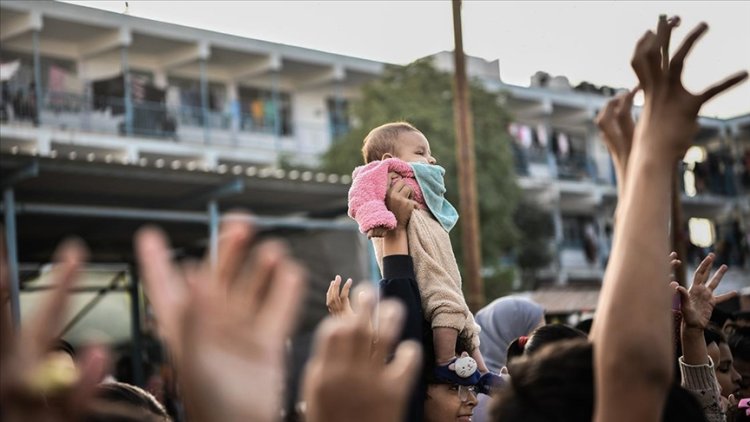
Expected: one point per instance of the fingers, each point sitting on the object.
(402, 189)
(722, 86)
(640, 61)
(362, 334)
(605, 114)
(234, 237)
(344, 296)
(725, 296)
(259, 272)
(663, 33)
(403, 369)
(678, 61)
(278, 312)
(684, 294)
(701, 273)
(716, 279)
(154, 260)
(92, 367)
(69, 258)
(390, 323)
(332, 295)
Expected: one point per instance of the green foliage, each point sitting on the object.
(537, 227)
(423, 96)
(533, 251)
(499, 283)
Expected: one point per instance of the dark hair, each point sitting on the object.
(550, 333)
(739, 343)
(557, 384)
(515, 349)
(63, 346)
(99, 411)
(713, 335)
(132, 396)
(585, 325)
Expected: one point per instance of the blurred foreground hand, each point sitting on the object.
(225, 323)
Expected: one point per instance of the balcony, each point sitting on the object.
(81, 119)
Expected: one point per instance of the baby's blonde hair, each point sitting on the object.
(382, 140)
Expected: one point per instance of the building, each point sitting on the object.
(175, 123)
(563, 165)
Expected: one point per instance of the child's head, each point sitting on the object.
(397, 140)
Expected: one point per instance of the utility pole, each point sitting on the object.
(465, 161)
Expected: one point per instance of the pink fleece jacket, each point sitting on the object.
(367, 193)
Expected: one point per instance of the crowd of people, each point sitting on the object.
(654, 351)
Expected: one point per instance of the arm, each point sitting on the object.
(631, 380)
(398, 270)
(345, 381)
(696, 368)
(616, 124)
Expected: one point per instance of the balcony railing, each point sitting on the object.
(179, 123)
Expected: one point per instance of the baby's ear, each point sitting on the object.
(386, 155)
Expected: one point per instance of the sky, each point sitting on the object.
(584, 41)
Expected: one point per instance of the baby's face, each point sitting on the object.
(413, 147)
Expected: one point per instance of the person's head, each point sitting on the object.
(445, 402)
(718, 350)
(131, 397)
(739, 344)
(397, 140)
(503, 321)
(550, 333)
(449, 403)
(557, 383)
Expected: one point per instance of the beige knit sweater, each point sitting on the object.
(437, 275)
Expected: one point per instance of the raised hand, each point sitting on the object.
(615, 121)
(670, 111)
(347, 378)
(399, 202)
(31, 386)
(227, 323)
(337, 298)
(699, 301)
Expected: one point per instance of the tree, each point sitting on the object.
(421, 95)
(533, 249)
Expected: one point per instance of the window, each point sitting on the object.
(702, 232)
(338, 116)
(260, 107)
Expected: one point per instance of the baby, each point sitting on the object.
(402, 149)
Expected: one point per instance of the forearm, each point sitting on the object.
(634, 305)
(620, 165)
(694, 351)
(395, 242)
(632, 297)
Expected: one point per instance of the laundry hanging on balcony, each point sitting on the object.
(8, 70)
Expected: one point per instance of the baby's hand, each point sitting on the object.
(376, 232)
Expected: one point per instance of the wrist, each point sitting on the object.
(692, 329)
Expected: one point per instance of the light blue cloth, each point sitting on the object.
(430, 178)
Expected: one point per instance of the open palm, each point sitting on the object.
(699, 301)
